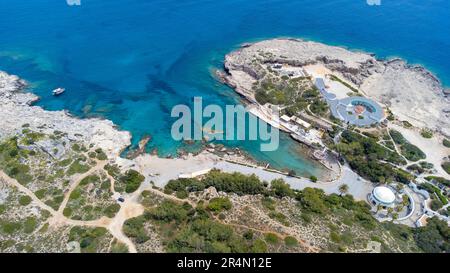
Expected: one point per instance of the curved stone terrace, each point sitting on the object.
(355, 110)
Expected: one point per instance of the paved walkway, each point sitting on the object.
(358, 187)
(160, 171)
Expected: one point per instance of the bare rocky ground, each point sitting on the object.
(16, 110)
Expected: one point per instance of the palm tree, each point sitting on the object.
(343, 189)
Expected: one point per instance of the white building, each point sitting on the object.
(382, 196)
(285, 118)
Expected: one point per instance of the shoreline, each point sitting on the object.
(376, 56)
(383, 80)
(18, 98)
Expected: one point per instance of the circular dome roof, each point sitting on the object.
(384, 194)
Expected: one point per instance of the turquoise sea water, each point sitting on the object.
(132, 60)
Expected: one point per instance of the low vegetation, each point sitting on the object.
(334, 78)
(371, 160)
(446, 143)
(426, 133)
(129, 182)
(408, 150)
(185, 229)
(446, 167)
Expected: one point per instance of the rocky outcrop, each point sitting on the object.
(413, 93)
(16, 111)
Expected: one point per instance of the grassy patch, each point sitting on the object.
(24, 200)
(77, 167)
(446, 167)
(131, 181)
(219, 203)
(426, 133)
(290, 241)
(271, 238)
(30, 225)
(446, 143)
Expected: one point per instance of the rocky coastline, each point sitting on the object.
(17, 110)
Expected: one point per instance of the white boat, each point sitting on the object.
(58, 91)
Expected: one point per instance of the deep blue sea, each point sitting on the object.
(132, 60)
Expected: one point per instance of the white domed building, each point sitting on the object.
(382, 196)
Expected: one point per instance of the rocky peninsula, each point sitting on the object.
(411, 92)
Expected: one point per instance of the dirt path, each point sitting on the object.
(27, 191)
(433, 148)
(76, 181)
(302, 242)
(128, 210)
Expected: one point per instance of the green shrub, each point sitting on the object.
(75, 194)
(65, 162)
(77, 167)
(10, 227)
(434, 190)
(105, 185)
(91, 179)
(271, 238)
(100, 154)
(411, 152)
(367, 157)
(219, 203)
(30, 225)
(132, 180)
(67, 212)
(436, 205)
(24, 200)
(182, 194)
(113, 170)
(290, 241)
(280, 217)
(335, 237)
(446, 167)
(446, 143)
(426, 165)
(111, 210)
(306, 218)
(426, 133)
(89, 238)
(168, 211)
(281, 189)
(313, 178)
(235, 182)
(397, 137)
(312, 200)
(118, 247)
(438, 179)
(433, 238)
(268, 203)
(259, 246)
